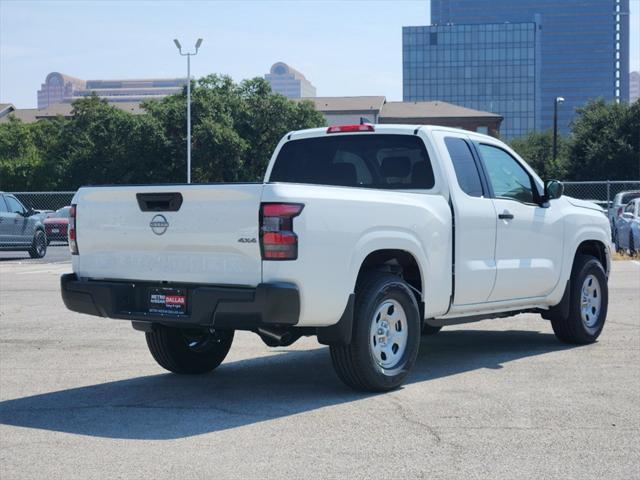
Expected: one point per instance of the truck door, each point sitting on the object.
(6, 224)
(19, 220)
(475, 221)
(529, 240)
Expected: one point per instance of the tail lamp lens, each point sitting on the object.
(72, 234)
(277, 238)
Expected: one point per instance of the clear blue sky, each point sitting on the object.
(342, 47)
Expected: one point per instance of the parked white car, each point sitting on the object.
(628, 227)
(362, 235)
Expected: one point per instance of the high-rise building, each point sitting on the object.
(634, 86)
(490, 67)
(289, 82)
(582, 50)
(59, 88)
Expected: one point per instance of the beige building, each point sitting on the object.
(336, 111)
(30, 115)
(372, 109)
(349, 110)
(59, 88)
(441, 113)
(289, 82)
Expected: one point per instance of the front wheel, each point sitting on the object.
(589, 299)
(632, 245)
(386, 336)
(38, 245)
(189, 351)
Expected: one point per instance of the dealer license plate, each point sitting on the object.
(171, 301)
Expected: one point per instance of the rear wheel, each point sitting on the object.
(189, 351)
(386, 336)
(632, 245)
(38, 245)
(588, 302)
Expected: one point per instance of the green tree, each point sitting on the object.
(21, 160)
(102, 144)
(605, 142)
(18, 155)
(537, 149)
(235, 127)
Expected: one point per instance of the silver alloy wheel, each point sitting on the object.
(388, 334)
(590, 301)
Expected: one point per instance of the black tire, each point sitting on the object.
(355, 363)
(189, 351)
(429, 330)
(574, 328)
(632, 245)
(38, 245)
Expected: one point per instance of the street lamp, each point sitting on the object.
(556, 102)
(188, 55)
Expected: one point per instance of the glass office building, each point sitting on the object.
(490, 67)
(584, 46)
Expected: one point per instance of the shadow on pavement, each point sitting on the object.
(245, 392)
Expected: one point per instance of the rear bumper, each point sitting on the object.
(269, 304)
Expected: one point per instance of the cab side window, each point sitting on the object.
(508, 178)
(3, 205)
(465, 166)
(14, 205)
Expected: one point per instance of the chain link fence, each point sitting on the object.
(45, 201)
(600, 192)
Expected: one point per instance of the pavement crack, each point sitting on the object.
(405, 414)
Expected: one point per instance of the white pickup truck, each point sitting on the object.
(366, 236)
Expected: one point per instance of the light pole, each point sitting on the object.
(188, 55)
(556, 102)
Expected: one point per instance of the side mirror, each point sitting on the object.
(553, 189)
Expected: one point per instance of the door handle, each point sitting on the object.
(505, 216)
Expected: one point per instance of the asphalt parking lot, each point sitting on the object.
(81, 397)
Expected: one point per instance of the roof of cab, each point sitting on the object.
(382, 128)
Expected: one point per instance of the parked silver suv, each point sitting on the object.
(616, 209)
(21, 228)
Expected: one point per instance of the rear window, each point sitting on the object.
(364, 160)
(63, 212)
(627, 197)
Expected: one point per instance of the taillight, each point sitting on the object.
(619, 213)
(73, 239)
(277, 239)
(363, 127)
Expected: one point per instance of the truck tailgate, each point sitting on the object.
(129, 233)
